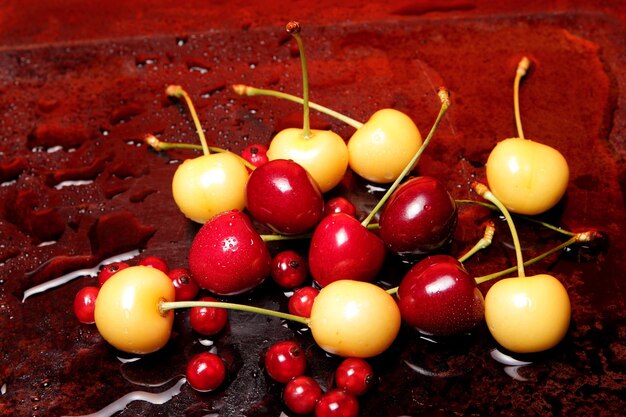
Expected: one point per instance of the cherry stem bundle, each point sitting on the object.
(293, 28)
(522, 68)
(177, 91)
(445, 103)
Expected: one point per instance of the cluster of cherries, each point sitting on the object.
(283, 187)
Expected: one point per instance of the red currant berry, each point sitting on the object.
(285, 360)
(339, 205)
(301, 394)
(155, 262)
(186, 287)
(289, 269)
(208, 320)
(354, 375)
(255, 154)
(108, 270)
(205, 372)
(301, 302)
(337, 403)
(85, 304)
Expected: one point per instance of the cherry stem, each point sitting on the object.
(526, 218)
(576, 238)
(165, 306)
(275, 238)
(246, 90)
(178, 92)
(483, 191)
(444, 96)
(522, 68)
(293, 28)
(483, 243)
(159, 145)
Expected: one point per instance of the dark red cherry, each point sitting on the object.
(341, 248)
(337, 403)
(301, 302)
(228, 256)
(108, 270)
(284, 196)
(285, 360)
(205, 372)
(419, 218)
(339, 205)
(256, 154)
(85, 304)
(301, 394)
(208, 321)
(354, 375)
(439, 298)
(155, 262)
(186, 287)
(289, 269)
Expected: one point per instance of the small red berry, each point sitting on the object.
(301, 302)
(255, 154)
(339, 205)
(205, 372)
(289, 269)
(301, 394)
(354, 375)
(285, 360)
(186, 287)
(208, 320)
(108, 270)
(85, 304)
(155, 262)
(337, 403)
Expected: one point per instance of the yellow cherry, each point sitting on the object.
(210, 184)
(528, 177)
(381, 148)
(354, 319)
(127, 311)
(529, 314)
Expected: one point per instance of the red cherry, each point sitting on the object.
(228, 256)
(108, 270)
(285, 360)
(256, 154)
(205, 372)
(354, 375)
(289, 269)
(301, 394)
(208, 320)
(301, 302)
(155, 262)
(438, 297)
(339, 205)
(337, 403)
(341, 248)
(186, 287)
(284, 196)
(85, 304)
(419, 218)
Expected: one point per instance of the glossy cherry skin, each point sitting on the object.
(85, 304)
(186, 287)
(208, 321)
(155, 262)
(439, 298)
(282, 195)
(341, 248)
(108, 270)
(205, 372)
(301, 394)
(337, 403)
(256, 154)
(285, 360)
(289, 269)
(339, 205)
(228, 256)
(354, 375)
(301, 302)
(419, 218)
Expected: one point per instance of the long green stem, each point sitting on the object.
(445, 103)
(246, 90)
(171, 305)
(293, 28)
(522, 67)
(178, 91)
(483, 243)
